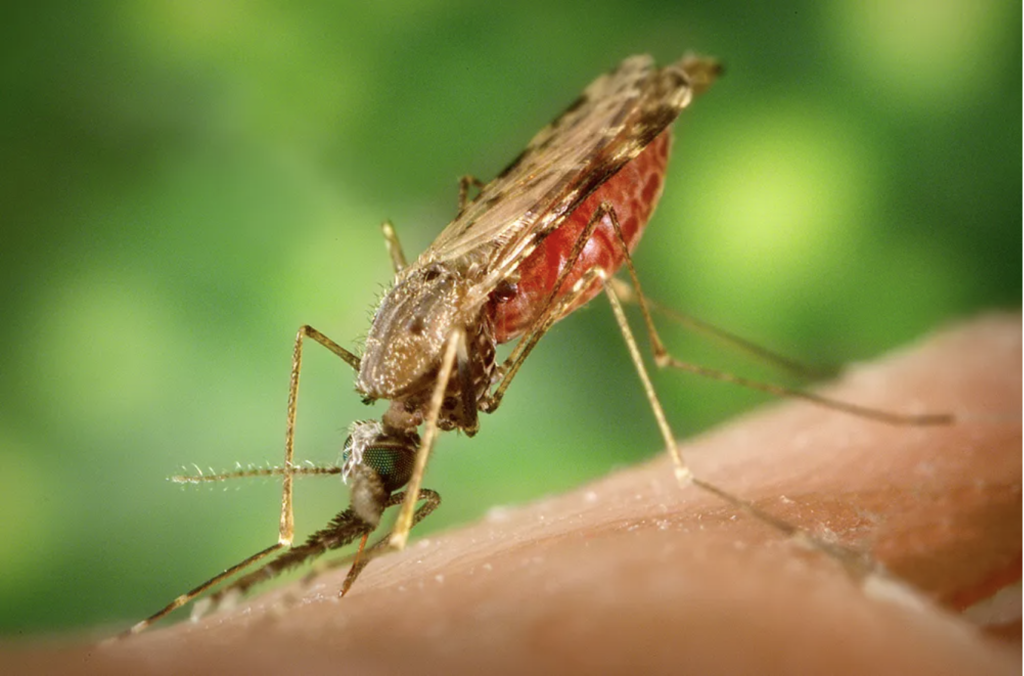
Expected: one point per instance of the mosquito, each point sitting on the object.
(533, 245)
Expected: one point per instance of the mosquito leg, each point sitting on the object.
(663, 359)
(188, 596)
(398, 262)
(403, 524)
(627, 294)
(857, 563)
(307, 331)
(286, 530)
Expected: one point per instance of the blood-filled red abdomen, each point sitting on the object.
(633, 192)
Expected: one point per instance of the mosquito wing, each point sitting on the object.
(606, 127)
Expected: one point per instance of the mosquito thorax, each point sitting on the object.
(407, 337)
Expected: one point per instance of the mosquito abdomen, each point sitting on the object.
(632, 192)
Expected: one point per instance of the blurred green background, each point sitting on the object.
(185, 183)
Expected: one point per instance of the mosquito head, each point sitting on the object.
(375, 462)
(390, 454)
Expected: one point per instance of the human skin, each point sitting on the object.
(635, 574)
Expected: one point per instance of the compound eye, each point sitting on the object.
(390, 456)
(394, 466)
